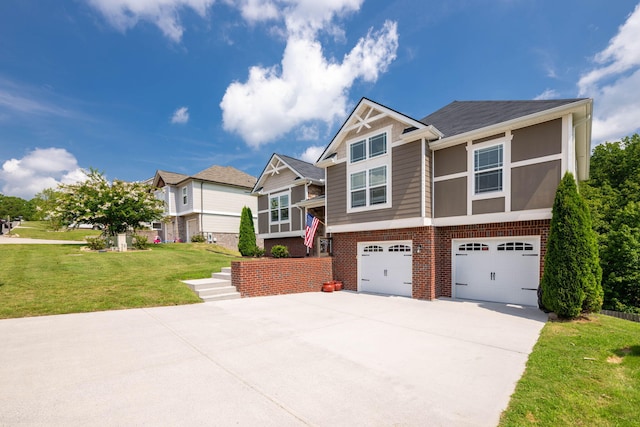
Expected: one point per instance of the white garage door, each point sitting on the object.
(502, 270)
(385, 267)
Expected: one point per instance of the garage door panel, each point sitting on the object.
(385, 268)
(499, 270)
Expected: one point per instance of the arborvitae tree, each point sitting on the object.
(247, 235)
(571, 282)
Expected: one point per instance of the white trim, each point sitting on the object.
(423, 178)
(451, 176)
(295, 233)
(514, 216)
(279, 195)
(360, 245)
(536, 160)
(380, 225)
(505, 141)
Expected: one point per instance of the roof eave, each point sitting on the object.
(466, 136)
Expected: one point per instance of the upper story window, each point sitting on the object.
(185, 197)
(368, 173)
(368, 148)
(279, 208)
(488, 169)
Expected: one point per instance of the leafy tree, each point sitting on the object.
(247, 236)
(11, 206)
(613, 195)
(43, 203)
(118, 206)
(571, 282)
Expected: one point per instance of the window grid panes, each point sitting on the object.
(358, 151)
(369, 188)
(487, 164)
(378, 145)
(279, 207)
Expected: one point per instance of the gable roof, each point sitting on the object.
(170, 177)
(460, 117)
(303, 170)
(226, 175)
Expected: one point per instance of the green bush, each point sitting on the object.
(259, 252)
(280, 251)
(96, 243)
(140, 242)
(571, 282)
(198, 238)
(247, 234)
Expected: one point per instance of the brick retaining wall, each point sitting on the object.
(271, 276)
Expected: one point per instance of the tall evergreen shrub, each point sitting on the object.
(571, 282)
(247, 234)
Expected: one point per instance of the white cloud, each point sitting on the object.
(307, 133)
(306, 86)
(40, 169)
(311, 154)
(181, 115)
(547, 94)
(614, 83)
(125, 14)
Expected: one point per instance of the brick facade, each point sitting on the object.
(431, 251)
(296, 246)
(270, 276)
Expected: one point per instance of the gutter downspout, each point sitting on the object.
(201, 208)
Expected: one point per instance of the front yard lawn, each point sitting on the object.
(40, 230)
(37, 280)
(580, 373)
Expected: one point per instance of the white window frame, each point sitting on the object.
(505, 168)
(279, 197)
(185, 196)
(366, 165)
(493, 168)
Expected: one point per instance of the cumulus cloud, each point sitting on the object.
(306, 86)
(312, 153)
(614, 83)
(39, 169)
(181, 115)
(125, 14)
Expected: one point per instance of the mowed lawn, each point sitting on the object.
(38, 280)
(581, 373)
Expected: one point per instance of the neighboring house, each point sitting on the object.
(456, 204)
(208, 203)
(287, 190)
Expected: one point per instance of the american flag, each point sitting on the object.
(310, 231)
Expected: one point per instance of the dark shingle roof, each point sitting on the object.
(464, 116)
(307, 170)
(226, 175)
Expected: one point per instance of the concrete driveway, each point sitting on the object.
(339, 359)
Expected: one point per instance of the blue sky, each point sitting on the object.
(131, 86)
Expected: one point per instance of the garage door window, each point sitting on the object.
(400, 248)
(373, 248)
(515, 246)
(467, 247)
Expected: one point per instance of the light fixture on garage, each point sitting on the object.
(419, 248)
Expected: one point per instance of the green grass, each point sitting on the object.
(39, 230)
(38, 280)
(580, 373)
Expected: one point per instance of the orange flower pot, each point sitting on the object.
(328, 287)
(337, 285)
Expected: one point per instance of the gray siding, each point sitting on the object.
(534, 186)
(539, 140)
(427, 183)
(263, 223)
(279, 180)
(263, 203)
(488, 138)
(450, 197)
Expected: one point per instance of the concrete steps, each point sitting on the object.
(217, 288)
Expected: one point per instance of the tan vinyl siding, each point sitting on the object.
(486, 206)
(450, 160)
(539, 140)
(488, 138)
(297, 194)
(405, 188)
(450, 197)
(376, 126)
(427, 183)
(534, 186)
(263, 223)
(279, 181)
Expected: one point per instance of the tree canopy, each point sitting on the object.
(613, 195)
(118, 206)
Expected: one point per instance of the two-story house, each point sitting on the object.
(287, 190)
(455, 204)
(208, 203)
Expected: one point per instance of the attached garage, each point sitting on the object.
(385, 267)
(503, 270)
